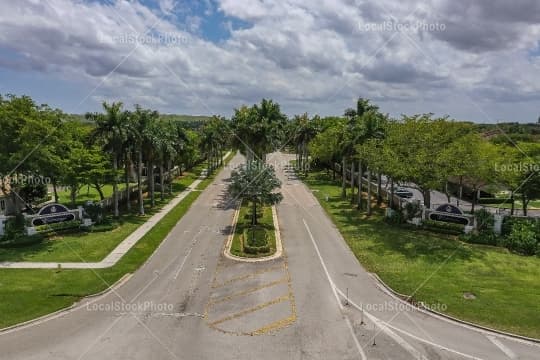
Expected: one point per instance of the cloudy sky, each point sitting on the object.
(475, 60)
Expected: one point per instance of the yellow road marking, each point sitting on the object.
(248, 291)
(275, 325)
(250, 310)
(247, 276)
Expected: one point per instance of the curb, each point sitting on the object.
(277, 232)
(420, 306)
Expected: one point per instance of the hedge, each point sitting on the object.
(255, 240)
(493, 201)
(443, 227)
(43, 229)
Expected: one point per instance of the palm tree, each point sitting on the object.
(151, 139)
(166, 151)
(304, 131)
(142, 120)
(260, 127)
(110, 133)
(181, 142)
(356, 133)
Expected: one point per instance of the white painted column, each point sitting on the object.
(3, 220)
(497, 225)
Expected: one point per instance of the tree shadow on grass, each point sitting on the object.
(390, 239)
(23, 253)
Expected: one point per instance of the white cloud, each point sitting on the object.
(311, 56)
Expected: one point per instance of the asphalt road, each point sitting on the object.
(190, 302)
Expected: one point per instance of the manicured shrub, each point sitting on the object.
(95, 211)
(104, 227)
(482, 238)
(523, 238)
(396, 218)
(14, 227)
(48, 228)
(255, 240)
(484, 221)
(412, 210)
(443, 227)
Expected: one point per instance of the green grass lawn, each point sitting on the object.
(507, 286)
(93, 247)
(29, 293)
(87, 193)
(518, 205)
(244, 221)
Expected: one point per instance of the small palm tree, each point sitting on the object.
(255, 182)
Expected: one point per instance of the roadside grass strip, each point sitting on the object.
(506, 286)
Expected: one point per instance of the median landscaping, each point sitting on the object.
(254, 241)
(482, 284)
(29, 293)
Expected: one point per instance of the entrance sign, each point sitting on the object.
(449, 208)
(449, 213)
(53, 213)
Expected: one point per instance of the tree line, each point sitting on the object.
(44, 143)
(429, 152)
(425, 151)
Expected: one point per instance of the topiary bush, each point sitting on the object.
(484, 221)
(523, 239)
(95, 211)
(255, 240)
(412, 210)
(396, 218)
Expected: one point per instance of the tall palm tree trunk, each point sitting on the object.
(352, 182)
(151, 183)
(379, 188)
(139, 183)
(126, 174)
(55, 190)
(115, 185)
(360, 173)
(161, 181)
(171, 178)
(343, 179)
(369, 191)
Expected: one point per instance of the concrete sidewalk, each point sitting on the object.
(122, 248)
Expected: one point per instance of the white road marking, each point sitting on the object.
(502, 347)
(358, 347)
(398, 339)
(384, 326)
(410, 334)
(194, 241)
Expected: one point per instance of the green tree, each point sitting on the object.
(302, 131)
(257, 130)
(255, 182)
(110, 133)
(416, 143)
